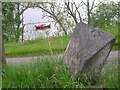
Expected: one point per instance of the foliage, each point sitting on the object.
(8, 20)
(105, 15)
(66, 15)
(70, 11)
(11, 20)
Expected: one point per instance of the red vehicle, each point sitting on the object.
(42, 26)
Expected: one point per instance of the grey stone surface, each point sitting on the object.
(87, 50)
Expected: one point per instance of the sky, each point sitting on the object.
(33, 16)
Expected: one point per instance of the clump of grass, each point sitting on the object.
(109, 75)
(45, 73)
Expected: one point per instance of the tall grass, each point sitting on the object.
(109, 75)
(51, 73)
(45, 73)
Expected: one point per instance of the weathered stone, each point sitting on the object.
(87, 50)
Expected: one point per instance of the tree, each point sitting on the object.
(66, 14)
(19, 10)
(8, 20)
(11, 17)
(105, 15)
(72, 9)
(54, 11)
(90, 8)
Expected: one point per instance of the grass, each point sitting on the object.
(109, 75)
(46, 73)
(54, 45)
(113, 30)
(36, 47)
(51, 73)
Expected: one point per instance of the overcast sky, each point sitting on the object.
(35, 15)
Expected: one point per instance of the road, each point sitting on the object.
(113, 56)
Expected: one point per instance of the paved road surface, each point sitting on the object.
(113, 56)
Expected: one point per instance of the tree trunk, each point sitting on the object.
(22, 28)
(88, 12)
(75, 18)
(18, 22)
(61, 26)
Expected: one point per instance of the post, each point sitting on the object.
(118, 41)
(2, 56)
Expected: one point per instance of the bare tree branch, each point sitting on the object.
(25, 7)
(78, 11)
(37, 5)
(92, 5)
(52, 13)
(70, 12)
(97, 5)
(84, 3)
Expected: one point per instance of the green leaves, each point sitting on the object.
(105, 15)
(11, 20)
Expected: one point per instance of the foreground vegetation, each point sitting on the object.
(51, 73)
(53, 45)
